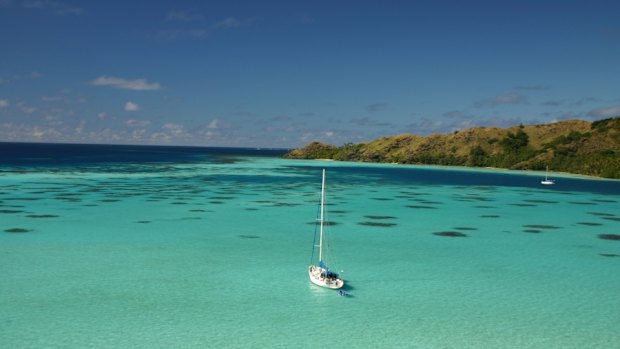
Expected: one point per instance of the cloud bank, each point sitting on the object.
(124, 84)
(508, 98)
(131, 106)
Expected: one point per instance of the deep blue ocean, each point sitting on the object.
(115, 246)
(48, 155)
(45, 154)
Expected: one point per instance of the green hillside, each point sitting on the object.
(588, 148)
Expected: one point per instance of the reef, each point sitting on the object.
(377, 224)
(454, 234)
(17, 230)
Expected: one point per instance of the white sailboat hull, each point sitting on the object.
(317, 277)
(547, 181)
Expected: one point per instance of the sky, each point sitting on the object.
(281, 74)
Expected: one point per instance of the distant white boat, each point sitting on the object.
(320, 274)
(547, 181)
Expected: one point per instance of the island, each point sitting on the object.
(574, 146)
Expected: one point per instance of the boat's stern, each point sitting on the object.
(317, 276)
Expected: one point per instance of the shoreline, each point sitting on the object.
(557, 174)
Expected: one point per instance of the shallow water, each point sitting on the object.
(212, 251)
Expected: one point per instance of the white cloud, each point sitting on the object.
(227, 23)
(4, 103)
(183, 16)
(214, 124)
(376, 107)
(124, 84)
(52, 98)
(160, 137)
(80, 127)
(608, 112)
(508, 98)
(131, 106)
(137, 123)
(454, 114)
(18, 77)
(37, 133)
(56, 7)
(175, 129)
(28, 110)
(172, 34)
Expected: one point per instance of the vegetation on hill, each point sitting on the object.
(568, 146)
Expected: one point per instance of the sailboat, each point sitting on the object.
(547, 181)
(320, 274)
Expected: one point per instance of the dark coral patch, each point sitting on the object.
(17, 230)
(590, 224)
(242, 236)
(379, 217)
(602, 214)
(473, 198)
(382, 199)
(42, 216)
(191, 218)
(541, 226)
(582, 203)
(70, 199)
(143, 222)
(377, 224)
(216, 202)
(464, 228)
(325, 223)
(454, 234)
(10, 211)
(614, 237)
(616, 219)
(421, 206)
(541, 201)
(484, 206)
(609, 255)
(604, 200)
(22, 199)
(489, 216)
(523, 205)
(531, 231)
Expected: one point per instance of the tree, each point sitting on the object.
(514, 142)
(477, 156)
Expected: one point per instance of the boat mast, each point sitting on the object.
(321, 229)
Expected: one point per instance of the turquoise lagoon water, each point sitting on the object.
(212, 252)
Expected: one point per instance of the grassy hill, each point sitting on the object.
(589, 148)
